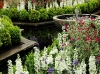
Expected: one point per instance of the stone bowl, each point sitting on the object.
(66, 18)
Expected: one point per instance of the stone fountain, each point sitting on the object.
(67, 18)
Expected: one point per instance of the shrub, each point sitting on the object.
(51, 13)
(59, 11)
(6, 23)
(9, 34)
(34, 16)
(5, 37)
(13, 13)
(15, 34)
(68, 10)
(43, 14)
(4, 12)
(7, 18)
(23, 15)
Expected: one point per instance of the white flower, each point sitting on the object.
(26, 72)
(43, 62)
(54, 50)
(44, 51)
(10, 67)
(49, 59)
(60, 63)
(19, 66)
(92, 65)
(37, 59)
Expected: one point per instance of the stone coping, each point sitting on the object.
(19, 23)
(26, 44)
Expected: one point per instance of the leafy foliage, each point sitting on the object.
(23, 15)
(15, 34)
(30, 62)
(34, 16)
(51, 13)
(9, 34)
(43, 14)
(13, 13)
(5, 37)
(4, 12)
(59, 11)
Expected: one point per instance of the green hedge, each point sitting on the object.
(23, 15)
(9, 34)
(15, 34)
(5, 37)
(13, 14)
(43, 15)
(34, 16)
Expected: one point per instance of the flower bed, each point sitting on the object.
(75, 51)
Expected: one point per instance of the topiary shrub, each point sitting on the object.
(68, 10)
(7, 18)
(59, 11)
(6, 23)
(51, 13)
(9, 34)
(43, 14)
(4, 12)
(23, 15)
(5, 37)
(13, 14)
(15, 34)
(34, 16)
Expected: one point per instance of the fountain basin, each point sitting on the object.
(66, 18)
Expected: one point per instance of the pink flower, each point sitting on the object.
(81, 21)
(63, 44)
(86, 48)
(88, 28)
(79, 28)
(89, 38)
(92, 18)
(95, 32)
(98, 58)
(96, 39)
(93, 25)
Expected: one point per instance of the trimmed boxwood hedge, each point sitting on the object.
(9, 34)
(34, 16)
(23, 15)
(15, 34)
(42, 14)
(5, 37)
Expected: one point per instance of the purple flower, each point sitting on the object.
(50, 70)
(61, 60)
(40, 68)
(34, 38)
(21, 72)
(75, 63)
(62, 48)
(97, 61)
(37, 44)
(43, 59)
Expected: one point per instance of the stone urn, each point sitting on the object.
(66, 18)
